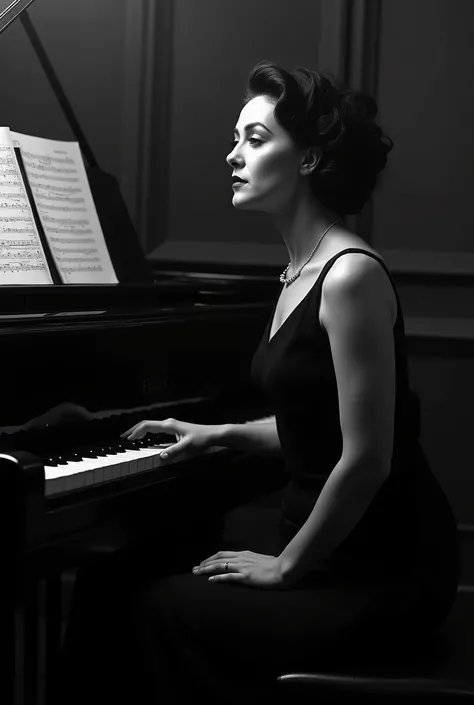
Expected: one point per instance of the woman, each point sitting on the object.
(363, 545)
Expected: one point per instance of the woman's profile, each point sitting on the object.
(362, 544)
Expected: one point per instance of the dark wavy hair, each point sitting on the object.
(315, 109)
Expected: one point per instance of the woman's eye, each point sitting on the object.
(252, 140)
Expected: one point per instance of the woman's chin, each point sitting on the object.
(239, 202)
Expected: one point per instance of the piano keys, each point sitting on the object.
(95, 465)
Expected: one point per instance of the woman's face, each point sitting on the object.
(265, 156)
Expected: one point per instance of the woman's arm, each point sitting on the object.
(343, 501)
(259, 436)
(356, 314)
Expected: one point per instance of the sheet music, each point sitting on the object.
(66, 208)
(22, 258)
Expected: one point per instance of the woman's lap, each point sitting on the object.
(239, 638)
(194, 634)
(279, 620)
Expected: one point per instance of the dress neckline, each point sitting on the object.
(305, 297)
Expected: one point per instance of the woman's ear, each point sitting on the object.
(310, 160)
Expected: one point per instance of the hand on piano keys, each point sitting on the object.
(191, 439)
(138, 450)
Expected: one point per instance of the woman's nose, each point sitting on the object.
(232, 158)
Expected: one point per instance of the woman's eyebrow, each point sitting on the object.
(253, 124)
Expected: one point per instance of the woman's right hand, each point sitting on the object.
(191, 439)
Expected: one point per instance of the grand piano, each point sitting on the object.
(81, 365)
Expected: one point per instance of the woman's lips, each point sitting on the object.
(238, 184)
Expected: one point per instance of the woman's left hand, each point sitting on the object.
(243, 567)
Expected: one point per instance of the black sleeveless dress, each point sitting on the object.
(222, 643)
(410, 515)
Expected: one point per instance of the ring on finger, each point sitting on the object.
(226, 565)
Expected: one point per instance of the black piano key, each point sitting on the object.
(98, 452)
(86, 453)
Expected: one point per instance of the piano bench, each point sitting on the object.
(442, 671)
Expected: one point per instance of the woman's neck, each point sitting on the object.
(301, 226)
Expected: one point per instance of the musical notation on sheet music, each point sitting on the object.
(22, 258)
(66, 208)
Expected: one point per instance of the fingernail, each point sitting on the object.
(164, 456)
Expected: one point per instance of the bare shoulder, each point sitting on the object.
(354, 266)
(354, 271)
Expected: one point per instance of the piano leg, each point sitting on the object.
(23, 651)
(7, 641)
(31, 642)
(53, 619)
(30, 639)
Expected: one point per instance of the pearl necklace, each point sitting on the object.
(290, 280)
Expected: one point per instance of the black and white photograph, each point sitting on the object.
(237, 342)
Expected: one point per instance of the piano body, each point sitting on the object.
(81, 364)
